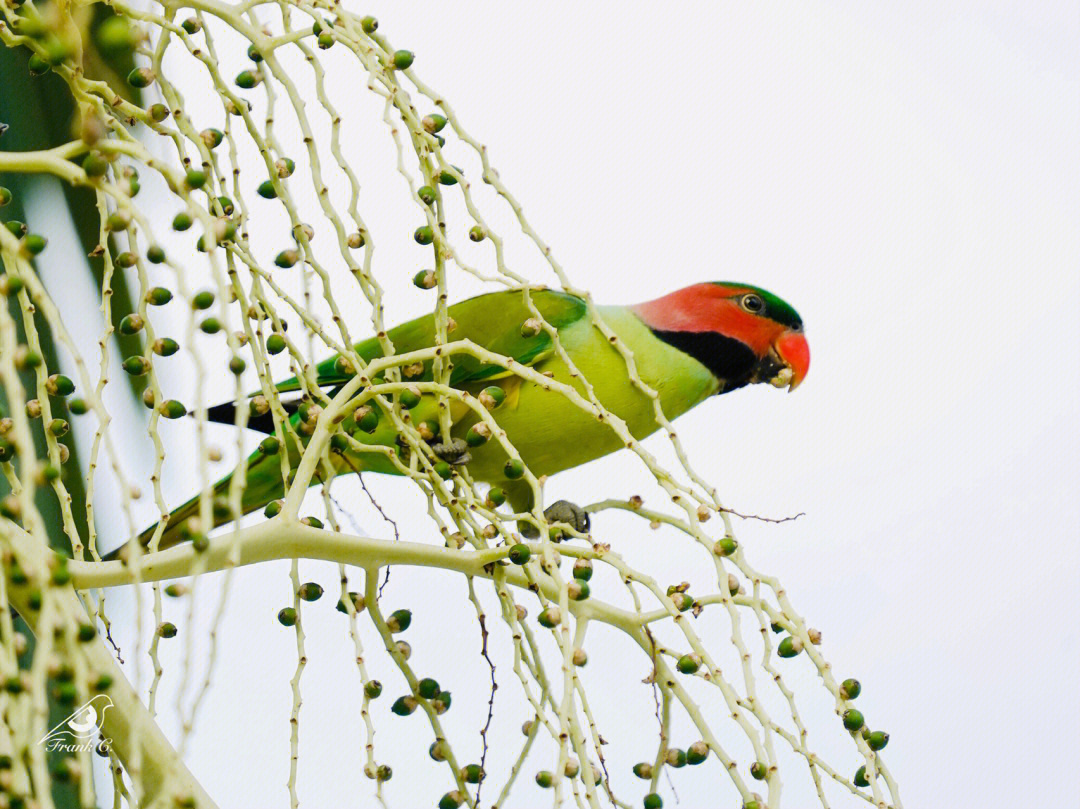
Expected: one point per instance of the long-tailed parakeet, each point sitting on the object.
(702, 340)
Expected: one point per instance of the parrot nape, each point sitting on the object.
(705, 339)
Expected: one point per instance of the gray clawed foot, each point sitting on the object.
(560, 511)
(455, 452)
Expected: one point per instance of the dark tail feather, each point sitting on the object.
(225, 413)
(263, 485)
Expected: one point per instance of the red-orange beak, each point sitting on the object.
(793, 351)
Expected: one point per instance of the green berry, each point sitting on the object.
(273, 508)
(789, 647)
(519, 554)
(697, 753)
(424, 235)
(33, 243)
(237, 365)
(158, 113)
(155, 255)
(172, 409)
(451, 800)
(253, 54)
(181, 222)
(427, 194)
(275, 343)
(228, 208)
(850, 689)
(688, 664)
(158, 296)
(448, 178)
(167, 630)
(428, 688)
(403, 59)
(287, 258)
(726, 546)
(443, 470)
(192, 25)
(477, 435)
(326, 40)
(759, 771)
(425, 279)
(441, 703)
(399, 620)
(877, 739)
(78, 407)
(434, 122)
(5, 196)
(369, 24)
(403, 706)
(369, 421)
(210, 326)
(853, 719)
(212, 137)
(203, 299)
(549, 617)
(287, 617)
(578, 590)
(195, 178)
(373, 689)
(544, 779)
(476, 233)
(246, 79)
(266, 189)
(38, 65)
(497, 496)
(118, 221)
(495, 396)
(86, 632)
(860, 777)
(165, 346)
(141, 77)
(310, 591)
(114, 35)
(653, 801)
(514, 469)
(472, 773)
(136, 366)
(583, 569)
(59, 385)
(131, 324)
(95, 165)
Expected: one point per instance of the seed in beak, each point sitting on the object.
(782, 378)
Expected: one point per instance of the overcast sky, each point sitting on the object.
(907, 176)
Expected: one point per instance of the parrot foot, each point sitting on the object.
(560, 511)
(454, 452)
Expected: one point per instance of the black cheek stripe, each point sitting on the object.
(730, 360)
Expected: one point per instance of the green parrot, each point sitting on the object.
(706, 339)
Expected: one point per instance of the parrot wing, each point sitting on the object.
(493, 321)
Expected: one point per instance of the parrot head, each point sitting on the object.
(742, 333)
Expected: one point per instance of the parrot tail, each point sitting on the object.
(262, 486)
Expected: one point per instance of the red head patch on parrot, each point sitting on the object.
(742, 333)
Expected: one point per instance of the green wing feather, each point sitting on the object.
(493, 321)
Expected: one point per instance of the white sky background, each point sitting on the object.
(910, 182)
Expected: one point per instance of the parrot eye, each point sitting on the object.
(752, 303)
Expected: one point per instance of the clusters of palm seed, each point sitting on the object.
(53, 652)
